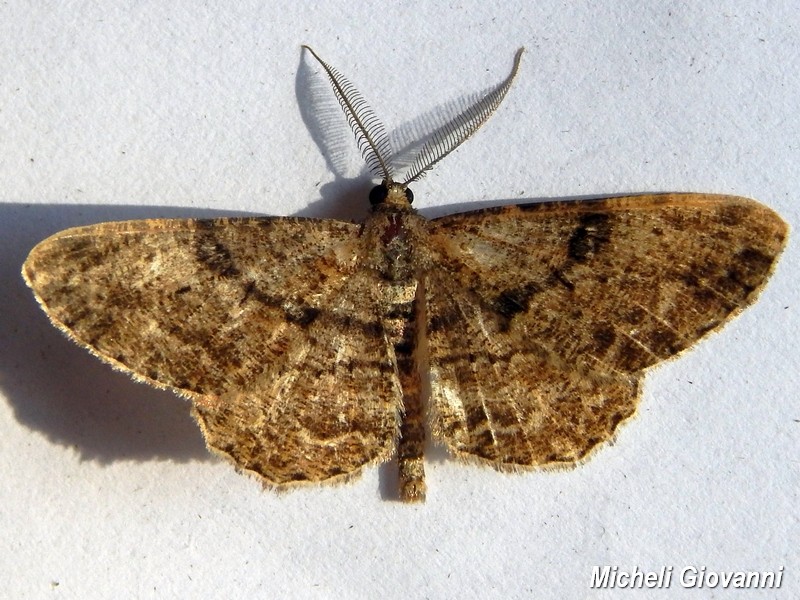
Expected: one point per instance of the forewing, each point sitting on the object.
(542, 316)
(251, 318)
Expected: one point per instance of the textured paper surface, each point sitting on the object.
(179, 112)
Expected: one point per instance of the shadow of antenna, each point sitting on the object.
(327, 126)
(410, 137)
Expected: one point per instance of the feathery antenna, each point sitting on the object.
(453, 134)
(374, 144)
(369, 131)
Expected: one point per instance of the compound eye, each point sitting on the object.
(409, 195)
(378, 194)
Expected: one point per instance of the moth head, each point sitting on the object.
(391, 192)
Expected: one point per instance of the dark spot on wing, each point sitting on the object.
(733, 215)
(603, 336)
(215, 255)
(631, 356)
(615, 420)
(634, 315)
(444, 320)
(663, 342)
(514, 301)
(589, 237)
(401, 310)
(558, 276)
(749, 269)
(528, 206)
(302, 315)
(404, 348)
(248, 291)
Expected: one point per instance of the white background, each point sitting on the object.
(137, 110)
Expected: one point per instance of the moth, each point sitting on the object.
(516, 336)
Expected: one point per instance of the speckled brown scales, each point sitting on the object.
(542, 317)
(302, 342)
(270, 325)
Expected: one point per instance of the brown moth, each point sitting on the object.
(306, 344)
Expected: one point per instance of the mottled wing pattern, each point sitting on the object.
(542, 317)
(263, 322)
